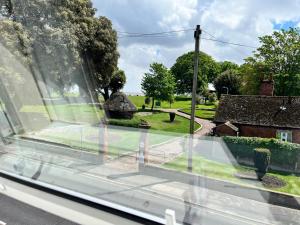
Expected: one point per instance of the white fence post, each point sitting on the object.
(170, 217)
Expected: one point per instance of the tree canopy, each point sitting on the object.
(279, 54)
(228, 80)
(183, 71)
(66, 38)
(158, 83)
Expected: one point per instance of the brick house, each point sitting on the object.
(262, 115)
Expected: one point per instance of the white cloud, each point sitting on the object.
(240, 21)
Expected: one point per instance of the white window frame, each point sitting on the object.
(284, 136)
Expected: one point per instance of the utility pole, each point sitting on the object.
(197, 35)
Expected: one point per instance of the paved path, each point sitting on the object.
(207, 125)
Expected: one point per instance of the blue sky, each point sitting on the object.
(239, 21)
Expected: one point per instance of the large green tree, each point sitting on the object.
(68, 38)
(183, 71)
(227, 65)
(228, 81)
(158, 83)
(280, 54)
(252, 74)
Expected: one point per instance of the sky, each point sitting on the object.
(238, 21)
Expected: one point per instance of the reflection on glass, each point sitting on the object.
(66, 124)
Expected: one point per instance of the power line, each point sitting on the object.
(155, 33)
(172, 33)
(230, 43)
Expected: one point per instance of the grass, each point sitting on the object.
(180, 103)
(226, 172)
(140, 100)
(159, 121)
(202, 113)
(82, 113)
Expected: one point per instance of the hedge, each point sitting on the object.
(283, 153)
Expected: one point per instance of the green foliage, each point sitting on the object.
(283, 153)
(252, 74)
(117, 81)
(183, 71)
(212, 98)
(65, 36)
(226, 65)
(229, 79)
(280, 54)
(261, 158)
(159, 83)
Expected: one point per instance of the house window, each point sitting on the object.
(284, 135)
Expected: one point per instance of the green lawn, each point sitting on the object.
(226, 172)
(202, 113)
(180, 103)
(159, 121)
(140, 100)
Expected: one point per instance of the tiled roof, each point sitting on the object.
(274, 111)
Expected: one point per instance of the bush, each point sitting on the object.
(198, 100)
(212, 98)
(172, 116)
(147, 100)
(283, 153)
(143, 107)
(261, 158)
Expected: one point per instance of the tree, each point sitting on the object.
(117, 81)
(159, 83)
(252, 75)
(227, 65)
(280, 53)
(228, 79)
(183, 71)
(67, 37)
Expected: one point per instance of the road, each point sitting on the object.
(146, 194)
(13, 212)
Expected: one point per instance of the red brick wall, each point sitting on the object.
(296, 136)
(266, 88)
(255, 131)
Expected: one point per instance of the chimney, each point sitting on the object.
(267, 88)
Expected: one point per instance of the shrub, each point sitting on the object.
(147, 100)
(261, 158)
(198, 100)
(212, 98)
(143, 107)
(283, 153)
(172, 116)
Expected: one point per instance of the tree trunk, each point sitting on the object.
(106, 94)
(152, 104)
